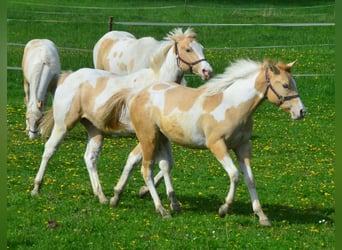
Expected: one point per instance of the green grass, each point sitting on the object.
(293, 162)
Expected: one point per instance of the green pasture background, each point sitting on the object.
(293, 161)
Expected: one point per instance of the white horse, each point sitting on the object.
(122, 53)
(216, 116)
(41, 68)
(87, 96)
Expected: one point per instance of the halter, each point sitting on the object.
(187, 63)
(33, 131)
(281, 98)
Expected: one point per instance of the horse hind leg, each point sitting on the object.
(91, 157)
(165, 159)
(57, 135)
(158, 177)
(244, 156)
(149, 151)
(147, 172)
(133, 159)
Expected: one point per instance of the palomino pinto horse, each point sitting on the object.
(41, 68)
(217, 116)
(87, 95)
(121, 53)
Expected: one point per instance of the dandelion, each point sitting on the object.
(321, 221)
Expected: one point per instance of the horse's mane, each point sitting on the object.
(159, 56)
(178, 32)
(239, 69)
(62, 76)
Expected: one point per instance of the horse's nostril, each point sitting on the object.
(302, 112)
(206, 73)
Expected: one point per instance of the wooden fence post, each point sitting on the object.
(110, 23)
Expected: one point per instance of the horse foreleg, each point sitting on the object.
(133, 159)
(165, 152)
(244, 155)
(219, 149)
(91, 157)
(50, 148)
(157, 179)
(165, 159)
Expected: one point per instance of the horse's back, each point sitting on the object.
(121, 53)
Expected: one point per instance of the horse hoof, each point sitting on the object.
(164, 213)
(143, 191)
(265, 223)
(167, 216)
(223, 210)
(175, 207)
(34, 193)
(103, 200)
(114, 201)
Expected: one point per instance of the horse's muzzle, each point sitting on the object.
(299, 115)
(206, 74)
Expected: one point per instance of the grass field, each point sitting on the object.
(293, 161)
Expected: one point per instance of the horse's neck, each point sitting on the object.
(244, 94)
(169, 71)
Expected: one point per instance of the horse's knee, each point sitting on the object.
(235, 177)
(165, 166)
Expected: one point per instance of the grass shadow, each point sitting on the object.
(275, 212)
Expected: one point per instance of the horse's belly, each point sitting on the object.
(183, 135)
(238, 138)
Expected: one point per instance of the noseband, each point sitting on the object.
(281, 98)
(33, 131)
(179, 59)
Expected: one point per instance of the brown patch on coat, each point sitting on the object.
(160, 86)
(102, 60)
(174, 98)
(83, 103)
(211, 102)
(122, 67)
(131, 65)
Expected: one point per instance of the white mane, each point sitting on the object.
(239, 69)
(159, 56)
(178, 32)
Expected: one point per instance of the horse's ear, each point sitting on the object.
(290, 65)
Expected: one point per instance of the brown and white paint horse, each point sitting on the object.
(122, 53)
(87, 96)
(41, 68)
(217, 116)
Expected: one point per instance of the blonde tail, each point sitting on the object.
(46, 123)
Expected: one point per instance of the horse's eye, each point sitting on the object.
(188, 50)
(285, 85)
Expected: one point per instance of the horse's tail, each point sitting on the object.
(62, 77)
(46, 123)
(116, 115)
